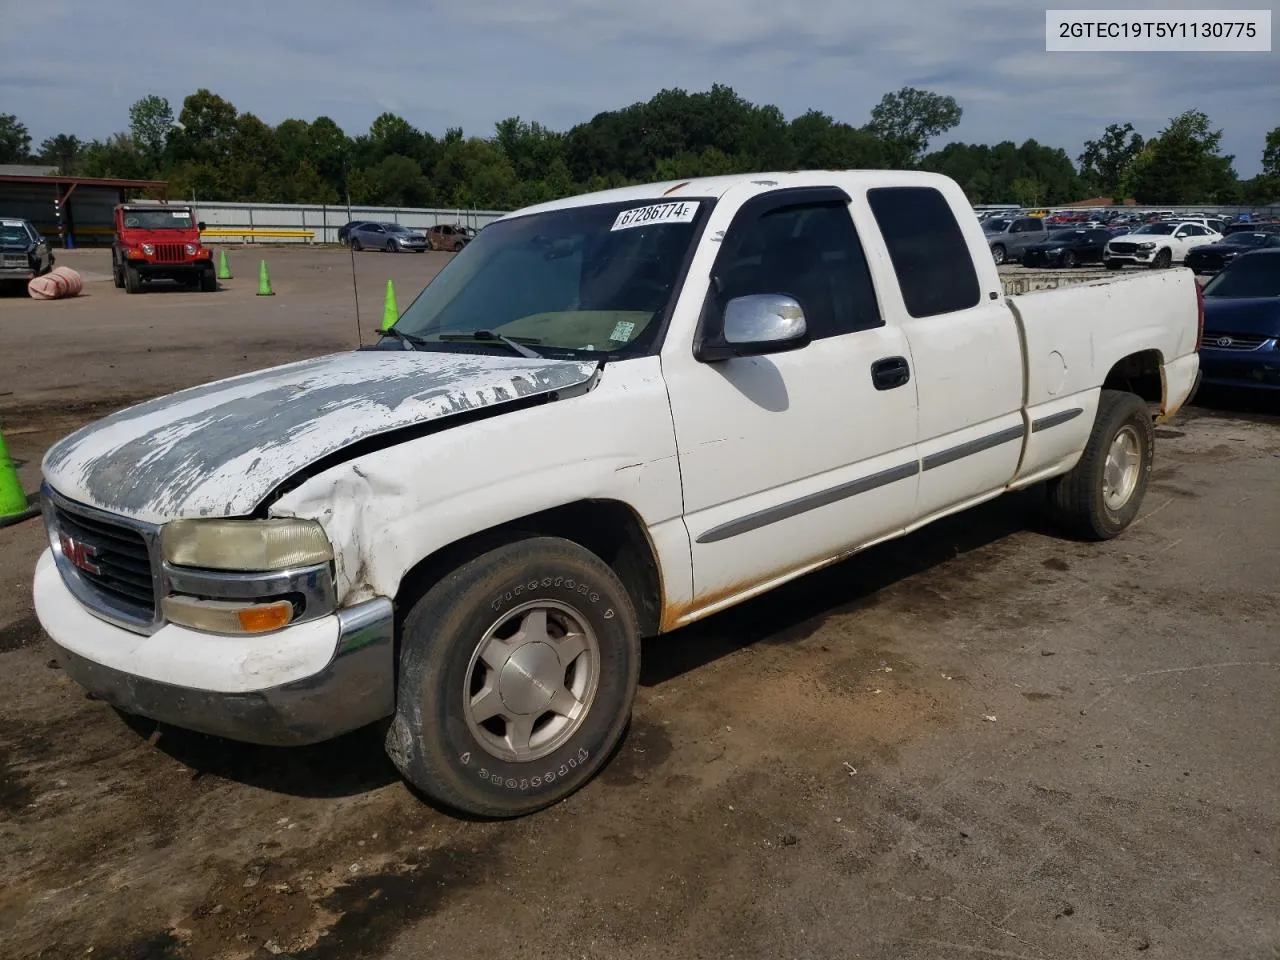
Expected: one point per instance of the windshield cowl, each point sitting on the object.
(593, 281)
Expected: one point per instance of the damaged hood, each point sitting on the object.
(218, 450)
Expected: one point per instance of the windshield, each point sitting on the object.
(1247, 239)
(13, 233)
(1160, 228)
(161, 219)
(1255, 275)
(591, 279)
(996, 225)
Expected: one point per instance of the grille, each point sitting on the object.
(14, 259)
(170, 253)
(123, 581)
(1239, 341)
(1123, 247)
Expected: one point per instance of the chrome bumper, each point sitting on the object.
(356, 688)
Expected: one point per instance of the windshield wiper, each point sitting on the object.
(409, 338)
(515, 343)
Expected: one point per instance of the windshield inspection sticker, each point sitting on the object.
(622, 332)
(683, 212)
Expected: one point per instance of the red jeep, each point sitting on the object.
(160, 241)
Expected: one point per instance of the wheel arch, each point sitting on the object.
(1140, 373)
(610, 529)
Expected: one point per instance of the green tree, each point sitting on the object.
(150, 120)
(205, 129)
(64, 152)
(117, 156)
(1185, 165)
(15, 141)
(1271, 154)
(1105, 162)
(908, 119)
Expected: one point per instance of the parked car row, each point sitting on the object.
(397, 238)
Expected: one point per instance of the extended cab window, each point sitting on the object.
(810, 252)
(930, 257)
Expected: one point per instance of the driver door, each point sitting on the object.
(793, 458)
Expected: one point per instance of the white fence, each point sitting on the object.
(325, 219)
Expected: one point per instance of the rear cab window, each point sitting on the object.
(930, 255)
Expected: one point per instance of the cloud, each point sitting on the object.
(463, 63)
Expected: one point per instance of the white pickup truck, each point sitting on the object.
(607, 417)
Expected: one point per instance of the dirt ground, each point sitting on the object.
(980, 741)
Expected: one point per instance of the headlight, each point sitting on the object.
(1055, 251)
(148, 249)
(191, 249)
(245, 544)
(1149, 245)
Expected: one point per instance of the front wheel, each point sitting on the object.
(998, 254)
(1069, 259)
(1103, 492)
(208, 280)
(517, 675)
(132, 279)
(356, 245)
(1162, 260)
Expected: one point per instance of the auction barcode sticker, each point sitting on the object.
(680, 212)
(1165, 31)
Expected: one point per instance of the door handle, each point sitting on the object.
(890, 372)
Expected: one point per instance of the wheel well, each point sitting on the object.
(609, 529)
(1139, 373)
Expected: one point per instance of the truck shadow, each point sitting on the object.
(356, 763)
(797, 609)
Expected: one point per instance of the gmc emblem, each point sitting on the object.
(80, 554)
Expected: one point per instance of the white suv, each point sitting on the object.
(1158, 244)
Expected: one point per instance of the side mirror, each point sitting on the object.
(200, 226)
(754, 325)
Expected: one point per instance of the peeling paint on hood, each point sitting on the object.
(217, 450)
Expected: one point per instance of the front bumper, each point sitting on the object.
(304, 684)
(1255, 369)
(17, 273)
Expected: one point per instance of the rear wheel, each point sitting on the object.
(132, 280)
(117, 275)
(517, 676)
(1103, 492)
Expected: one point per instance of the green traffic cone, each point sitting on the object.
(390, 312)
(224, 269)
(13, 502)
(264, 282)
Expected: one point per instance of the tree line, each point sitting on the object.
(212, 151)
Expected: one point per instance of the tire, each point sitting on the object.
(132, 281)
(1069, 259)
(391, 246)
(1162, 260)
(1079, 501)
(1114, 264)
(457, 247)
(208, 280)
(117, 276)
(998, 254)
(464, 762)
(356, 245)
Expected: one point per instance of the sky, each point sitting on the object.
(75, 66)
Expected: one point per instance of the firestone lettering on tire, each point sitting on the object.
(545, 779)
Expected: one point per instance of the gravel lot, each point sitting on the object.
(980, 741)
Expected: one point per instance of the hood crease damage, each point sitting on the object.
(220, 449)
